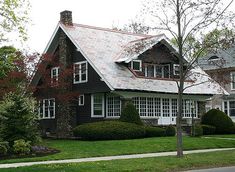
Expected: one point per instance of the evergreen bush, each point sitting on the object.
(208, 129)
(170, 130)
(21, 147)
(154, 131)
(198, 131)
(18, 118)
(130, 114)
(219, 120)
(109, 130)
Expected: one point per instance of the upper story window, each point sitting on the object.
(136, 65)
(80, 72)
(176, 69)
(54, 76)
(232, 74)
(47, 108)
(157, 71)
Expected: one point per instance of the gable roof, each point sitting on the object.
(225, 59)
(104, 48)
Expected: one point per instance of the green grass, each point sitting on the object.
(78, 149)
(222, 136)
(160, 164)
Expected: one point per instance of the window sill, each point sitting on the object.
(74, 82)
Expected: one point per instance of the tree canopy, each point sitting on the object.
(14, 17)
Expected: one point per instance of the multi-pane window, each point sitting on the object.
(232, 108)
(157, 107)
(165, 107)
(97, 108)
(225, 107)
(232, 80)
(136, 65)
(47, 108)
(54, 76)
(80, 72)
(113, 106)
(157, 71)
(174, 107)
(149, 107)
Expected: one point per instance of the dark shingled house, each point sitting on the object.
(112, 67)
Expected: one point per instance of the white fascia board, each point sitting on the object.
(89, 61)
(51, 39)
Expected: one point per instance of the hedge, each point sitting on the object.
(154, 131)
(219, 120)
(208, 129)
(170, 130)
(109, 130)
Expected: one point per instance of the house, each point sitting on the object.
(113, 67)
(221, 67)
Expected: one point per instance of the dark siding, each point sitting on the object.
(94, 84)
(84, 112)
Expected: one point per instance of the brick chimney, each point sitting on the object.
(66, 18)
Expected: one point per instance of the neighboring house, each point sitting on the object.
(111, 68)
(221, 67)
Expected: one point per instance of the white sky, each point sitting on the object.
(102, 13)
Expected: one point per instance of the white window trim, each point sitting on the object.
(154, 72)
(79, 100)
(92, 107)
(140, 61)
(80, 73)
(56, 76)
(43, 109)
(112, 117)
(231, 77)
(174, 66)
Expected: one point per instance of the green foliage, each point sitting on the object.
(14, 17)
(219, 120)
(109, 130)
(208, 129)
(170, 130)
(154, 131)
(130, 114)
(21, 147)
(4, 147)
(198, 131)
(19, 119)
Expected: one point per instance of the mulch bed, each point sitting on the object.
(36, 151)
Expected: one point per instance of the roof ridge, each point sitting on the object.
(112, 30)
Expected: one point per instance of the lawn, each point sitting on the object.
(160, 164)
(78, 149)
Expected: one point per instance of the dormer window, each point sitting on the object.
(157, 71)
(136, 65)
(176, 69)
(54, 76)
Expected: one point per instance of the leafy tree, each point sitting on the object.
(182, 19)
(15, 69)
(19, 119)
(14, 17)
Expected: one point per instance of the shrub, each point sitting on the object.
(198, 131)
(4, 147)
(219, 120)
(19, 119)
(232, 129)
(154, 131)
(21, 147)
(109, 130)
(208, 129)
(130, 114)
(170, 130)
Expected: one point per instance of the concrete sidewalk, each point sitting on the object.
(108, 158)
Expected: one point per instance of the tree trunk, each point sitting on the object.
(181, 87)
